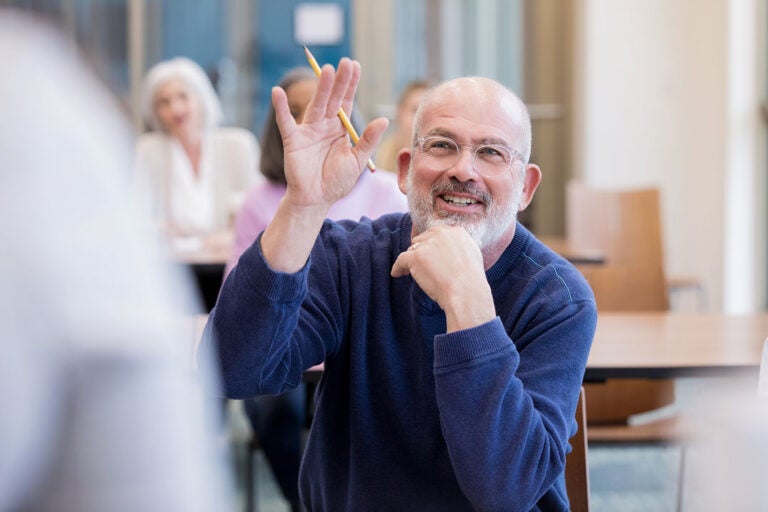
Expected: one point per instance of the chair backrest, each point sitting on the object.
(625, 225)
(627, 287)
(576, 466)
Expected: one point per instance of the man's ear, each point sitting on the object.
(403, 166)
(531, 181)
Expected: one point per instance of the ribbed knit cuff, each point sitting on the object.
(469, 344)
(276, 286)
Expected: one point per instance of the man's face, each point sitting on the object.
(485, 204)
(444, 202)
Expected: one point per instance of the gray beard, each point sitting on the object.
(485, 231)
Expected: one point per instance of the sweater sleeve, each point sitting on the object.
(266, 328)
(507, 414)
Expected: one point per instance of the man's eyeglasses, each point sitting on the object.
(441, 153)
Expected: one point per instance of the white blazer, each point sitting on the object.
(196, 205)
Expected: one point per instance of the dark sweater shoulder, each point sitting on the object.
(540, 268)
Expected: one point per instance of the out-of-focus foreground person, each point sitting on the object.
(726, 455)
(195, 172)
(402, 131)
(100, 407)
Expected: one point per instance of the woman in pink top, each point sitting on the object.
(278, 420)
(374, 195)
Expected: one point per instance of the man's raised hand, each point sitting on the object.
(321, 164)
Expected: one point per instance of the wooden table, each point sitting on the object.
(575, 254)
(194, 251)
(201, 255)
(669, 344)
(206, 264)
(662, 345)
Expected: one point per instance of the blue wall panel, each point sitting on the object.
(194, 29)
(278, 50)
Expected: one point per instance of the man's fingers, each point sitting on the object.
(401, 268)
(370, 139)
(349, 97)
(285, 121)
(341, 86)
(318, 105)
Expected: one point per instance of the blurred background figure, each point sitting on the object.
(277, 421)
(100, 407)
(194, 172)
(402, 127)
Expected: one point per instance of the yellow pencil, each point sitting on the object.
(342, 115)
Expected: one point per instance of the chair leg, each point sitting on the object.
(251, 503)
(681, 480)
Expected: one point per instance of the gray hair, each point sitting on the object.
(186, 70)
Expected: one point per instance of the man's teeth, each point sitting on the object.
(459, 200)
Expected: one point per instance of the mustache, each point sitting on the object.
(455, 186)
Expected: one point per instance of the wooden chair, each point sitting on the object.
(576, 466)
(626, 226)
(249, 471)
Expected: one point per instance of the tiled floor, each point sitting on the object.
(634, 479)
(268, 493)
(621, 480)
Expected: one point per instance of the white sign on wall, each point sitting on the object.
(318, 24)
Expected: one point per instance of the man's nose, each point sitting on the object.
(464, 169)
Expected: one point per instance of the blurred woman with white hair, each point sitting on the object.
(194, 172)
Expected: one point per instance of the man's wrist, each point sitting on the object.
(469, 310)
(289, 238)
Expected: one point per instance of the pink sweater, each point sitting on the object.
(374, 195)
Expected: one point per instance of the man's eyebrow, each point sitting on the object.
(441, 132)
(496, 142)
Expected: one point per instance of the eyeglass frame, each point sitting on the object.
(418, 143)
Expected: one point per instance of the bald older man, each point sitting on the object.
(454, 341)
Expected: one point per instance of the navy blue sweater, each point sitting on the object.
(409, 417)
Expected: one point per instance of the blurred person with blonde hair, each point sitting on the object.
(400, 137)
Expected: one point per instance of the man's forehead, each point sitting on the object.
(473, 97)
(476, 88)
(483, 120)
